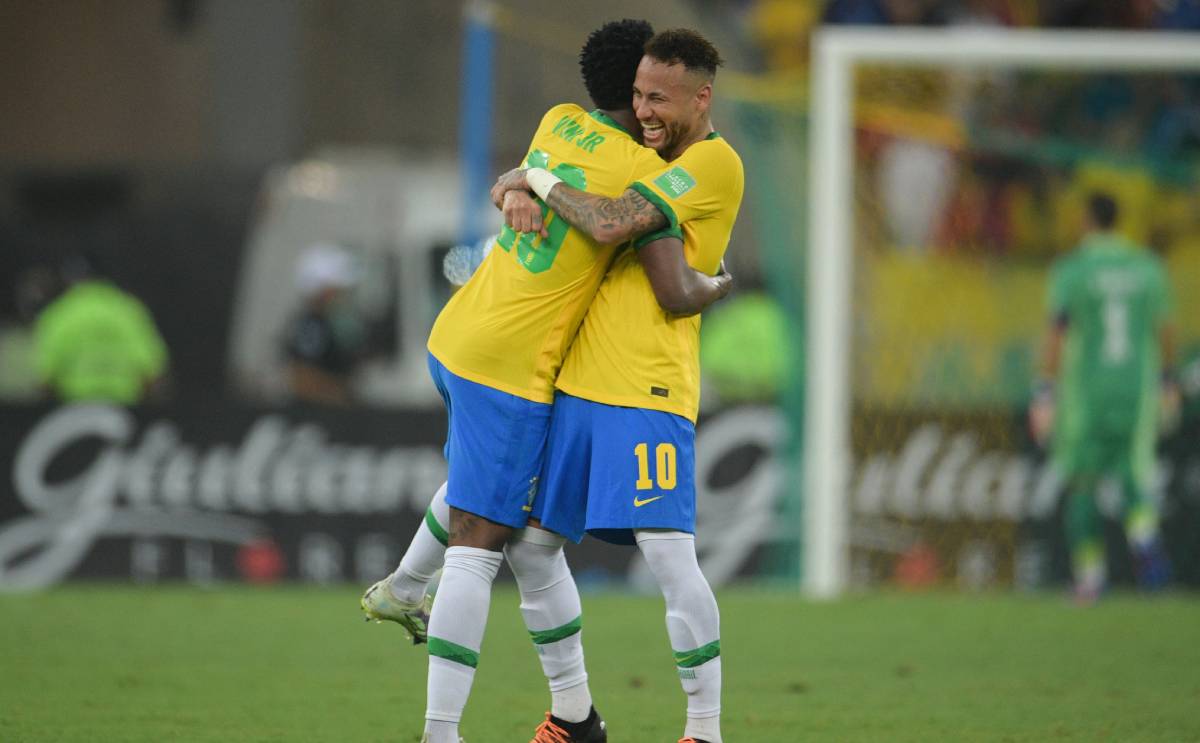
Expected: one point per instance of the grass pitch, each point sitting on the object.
(241, 664)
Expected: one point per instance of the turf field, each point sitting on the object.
(243, 664)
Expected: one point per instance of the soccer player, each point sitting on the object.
(1108, 354)
(621, 460)
(495, 351)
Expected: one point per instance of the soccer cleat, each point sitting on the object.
(1152, 566)
(692, 740)
(379, 604)
(1085, 595)
(554, 730)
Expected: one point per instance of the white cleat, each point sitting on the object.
(379, 604)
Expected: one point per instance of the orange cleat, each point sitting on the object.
(554, 730)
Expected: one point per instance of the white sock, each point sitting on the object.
(704, 728)
(437, 731)
(553, 616)
(456, 631)
(425, 553)
(693, 624)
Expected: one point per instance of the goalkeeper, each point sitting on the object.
(1108, 377)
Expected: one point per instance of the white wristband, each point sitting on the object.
(541, 181)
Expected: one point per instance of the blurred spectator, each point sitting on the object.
(983, 13)
(96, 342)
(1176, 15)
(327, 341)
(746, 350)
(885, 12)
(33, 289)
(907, 167)
(1089, 14)
(782, 29)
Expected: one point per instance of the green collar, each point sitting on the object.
(713, 135)
(1106, 241)
(604, 118)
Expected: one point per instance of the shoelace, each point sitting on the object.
(548, 732)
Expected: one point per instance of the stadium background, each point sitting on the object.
(194, 148)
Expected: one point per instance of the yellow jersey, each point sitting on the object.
(509, 327)
(629, 352)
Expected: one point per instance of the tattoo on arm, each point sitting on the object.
(608, 221)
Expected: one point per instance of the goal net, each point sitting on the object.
(948, 171)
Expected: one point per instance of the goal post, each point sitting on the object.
(831, 265)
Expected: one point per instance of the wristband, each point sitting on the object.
(541, 181)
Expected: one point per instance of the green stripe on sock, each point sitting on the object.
(699, 656)
(443, 649)
(435, 528)
(547, 636)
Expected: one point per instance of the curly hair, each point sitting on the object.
(609, 61)
(685, 46)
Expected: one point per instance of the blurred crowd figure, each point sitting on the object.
(1004, 159)
(1135, 14)
(93, 342)
(326, 342)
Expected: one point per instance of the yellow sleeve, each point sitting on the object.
(698, 183)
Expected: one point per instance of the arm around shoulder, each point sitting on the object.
(680, 289)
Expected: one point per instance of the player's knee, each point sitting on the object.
(537, 560)
(469, 530)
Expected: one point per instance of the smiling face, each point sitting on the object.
(671, 103)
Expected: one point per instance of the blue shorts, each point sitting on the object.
(494, 449)
(610, 470)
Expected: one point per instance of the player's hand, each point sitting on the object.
(1041, 419)
(1172, 403)
(523, 214)
(724, 280)
(513, 180)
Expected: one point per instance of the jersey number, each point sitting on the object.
(534, 252)
(1116, 331)
(664, 456)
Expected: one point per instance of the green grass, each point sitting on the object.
(242, 664)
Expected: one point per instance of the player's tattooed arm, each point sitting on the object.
(513, 180)
(607, 221)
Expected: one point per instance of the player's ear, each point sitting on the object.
(704, 97)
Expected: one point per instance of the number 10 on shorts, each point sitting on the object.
(664, 466)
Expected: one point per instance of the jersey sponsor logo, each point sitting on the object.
(660, 391)
(639, 503)
(675, 182)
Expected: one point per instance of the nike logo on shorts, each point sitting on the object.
(639, 503)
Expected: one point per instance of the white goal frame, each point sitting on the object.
(836, 51)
